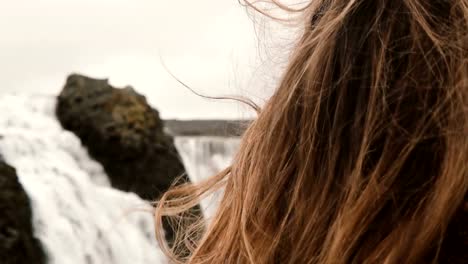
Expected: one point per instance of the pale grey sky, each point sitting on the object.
(212, 45)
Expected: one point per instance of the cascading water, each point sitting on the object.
(77, 216)
(204, 157)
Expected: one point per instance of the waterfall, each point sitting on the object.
(204, 157)
(77, 216)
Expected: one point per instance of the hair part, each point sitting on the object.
(360, 156)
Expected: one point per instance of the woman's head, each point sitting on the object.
(361, 154)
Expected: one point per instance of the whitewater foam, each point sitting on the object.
(204, 157)
(77, 216)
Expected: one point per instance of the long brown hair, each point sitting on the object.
(361, 154)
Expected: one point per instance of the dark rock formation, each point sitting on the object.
(17, 243)
(123, 133)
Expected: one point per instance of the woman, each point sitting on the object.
(361, 154)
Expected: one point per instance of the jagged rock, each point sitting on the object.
(17, 242)
(123, 133)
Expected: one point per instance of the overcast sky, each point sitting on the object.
(212, 45)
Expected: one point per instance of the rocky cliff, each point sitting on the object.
(17, 241)
(125, 134)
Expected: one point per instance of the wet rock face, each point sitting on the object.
(17, 243)
(123, 133)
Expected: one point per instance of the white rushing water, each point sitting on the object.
(204, 157)
(76, 215)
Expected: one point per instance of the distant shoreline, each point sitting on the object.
(222, 128)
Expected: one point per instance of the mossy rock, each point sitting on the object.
(124, 133)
